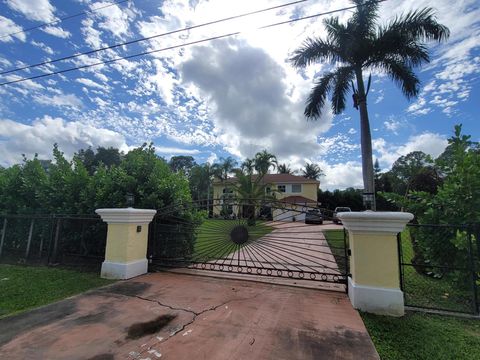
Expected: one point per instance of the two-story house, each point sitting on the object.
(292, 191)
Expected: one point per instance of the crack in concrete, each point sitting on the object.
(195, 315)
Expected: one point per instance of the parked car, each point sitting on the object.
(314, 216)
(339, 209)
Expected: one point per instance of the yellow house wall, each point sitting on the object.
(308, 190)
(124, 244)
(374, 260)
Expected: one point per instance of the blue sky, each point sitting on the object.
(234, 96)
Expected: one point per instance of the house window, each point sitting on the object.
(268, 190)
(281, 188)
(296, 188)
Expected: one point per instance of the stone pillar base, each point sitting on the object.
(376, 300)
(123, 271)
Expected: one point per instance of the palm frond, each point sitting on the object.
(364, 20)
(314, 50)
(402, 75)
(389, 43)
(343, 77)
(419, 25)
(317, 97)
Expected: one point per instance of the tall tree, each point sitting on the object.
(359, 45)
(248, 166)
(224, 167)
(182, 163)
(312, 171)
(284, 169)
(264, 161)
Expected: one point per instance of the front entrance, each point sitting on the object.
(252, 245)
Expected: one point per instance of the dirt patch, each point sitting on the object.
(138, 330)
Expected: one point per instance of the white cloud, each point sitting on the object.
(341, 175)
(251, 105)
(7, 27)
(61, 100)
(392, 124)
(39, 137)
(90, 83)
(175, 150)
(114, 18)
(430, 143)
(38, 10)
(43, 46)
(92, 35)
(57, 31)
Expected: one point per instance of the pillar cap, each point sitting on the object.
(372, 222)
(126, 215)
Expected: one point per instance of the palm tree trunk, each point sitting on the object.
(366, 141)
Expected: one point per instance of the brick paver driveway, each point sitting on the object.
(173, 316)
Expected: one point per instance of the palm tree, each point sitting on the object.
(264, 161)
(248, 166)
(224, 168)
(251, 191)
(361, 44)
(284, 169)
(312, 171)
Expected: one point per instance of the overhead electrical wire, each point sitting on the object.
(104, 62)
(188, 28)
(64, 18)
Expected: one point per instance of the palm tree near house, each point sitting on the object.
(284, 169)
(312, 171)
(251, 192)
(361, 44)
(264, 161)
(248, 166)
(224, 168)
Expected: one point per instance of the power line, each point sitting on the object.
(64, 18)
(188, 28)
(178, 46)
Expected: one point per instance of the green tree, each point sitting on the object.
(248, 166)
(224, 168)
(284, 169)
(456, 201)
(360, 45)
(264, 161)
(406, 168)
(312, 171)
(182, 163)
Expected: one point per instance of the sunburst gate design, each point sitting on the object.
(273, 240)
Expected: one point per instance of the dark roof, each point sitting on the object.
(278, 179)
(295, 199)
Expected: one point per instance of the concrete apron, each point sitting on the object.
(173, 316)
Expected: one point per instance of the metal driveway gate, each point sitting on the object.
(243, 237)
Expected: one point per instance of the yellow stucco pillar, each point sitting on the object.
(127, 238)
(374, 284)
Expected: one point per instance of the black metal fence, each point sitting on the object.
(268, 238)
(53, 239)
(439, 267)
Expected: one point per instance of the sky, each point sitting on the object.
(229, 97)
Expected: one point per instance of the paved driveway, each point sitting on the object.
(173, 316)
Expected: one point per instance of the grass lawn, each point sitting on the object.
(26, 287)
(336, 241)
(213, 237)
(418, 336)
